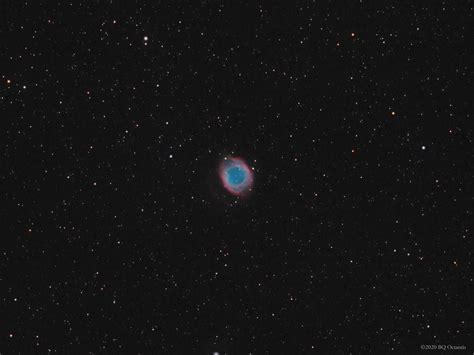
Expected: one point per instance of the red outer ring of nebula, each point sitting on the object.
(226, 163)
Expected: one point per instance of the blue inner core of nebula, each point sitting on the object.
(236, 175)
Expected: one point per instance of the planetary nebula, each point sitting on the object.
(236, 176)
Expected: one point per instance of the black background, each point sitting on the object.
(118, 236)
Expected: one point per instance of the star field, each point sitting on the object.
(118, 235)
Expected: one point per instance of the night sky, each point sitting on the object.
(118, 235)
